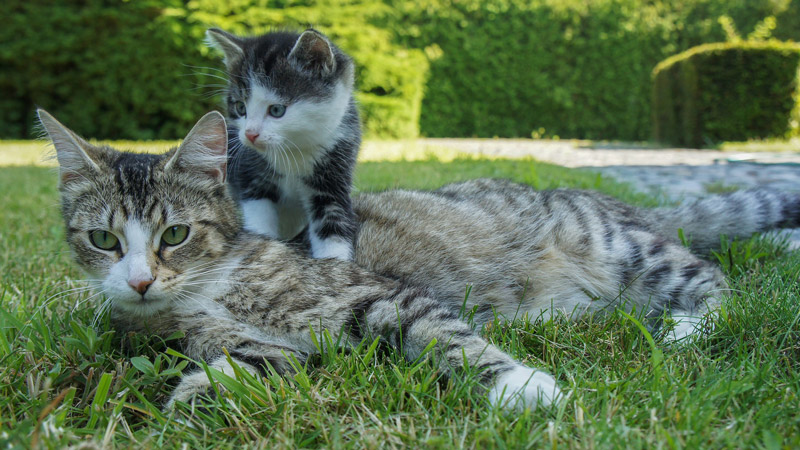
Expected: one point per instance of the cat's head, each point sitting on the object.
(144, 226)
(286, 91)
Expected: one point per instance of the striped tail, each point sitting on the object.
(737, 215)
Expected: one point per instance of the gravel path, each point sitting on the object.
(679, 174)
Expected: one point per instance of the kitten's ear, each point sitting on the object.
(205, 149)
(313, 52)
(232, 46)
(71, 149)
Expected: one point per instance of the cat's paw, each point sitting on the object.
(192, 385)
(524, 387)
(198, 383)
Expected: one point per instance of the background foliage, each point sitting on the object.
(509, 68)
(735, 91)
(140, 70)
(573, 68)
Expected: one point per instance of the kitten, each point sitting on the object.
(161, 236)
(295, 134)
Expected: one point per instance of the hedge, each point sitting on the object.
(577, 68)
(727, 92)
(139, 69)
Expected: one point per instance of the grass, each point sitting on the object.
(65, 380)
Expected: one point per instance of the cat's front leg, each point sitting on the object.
(208, 335)
(332, 226)
(198, 383)
(261, 216)
(411, 319)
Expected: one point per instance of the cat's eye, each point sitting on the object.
(240, 107)
(104, 240)
(277, 110)
(175, 234)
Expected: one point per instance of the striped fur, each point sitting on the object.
(227, 288)
(525, 252)
(528, 252)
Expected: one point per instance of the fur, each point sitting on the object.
(298, 168)
(227, 288)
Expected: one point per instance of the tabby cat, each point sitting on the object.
(162, 238)
(294, 133)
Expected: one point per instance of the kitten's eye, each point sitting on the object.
(240, 108)
(175, 235)
(277, 110)
(104, 240)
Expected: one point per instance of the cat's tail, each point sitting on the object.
(737, 215)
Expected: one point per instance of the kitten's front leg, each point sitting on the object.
(332, 226)
(261, 216)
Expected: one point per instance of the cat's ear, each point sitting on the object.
(204, 151)
(71, 150)
(232, 46)
(314, 53)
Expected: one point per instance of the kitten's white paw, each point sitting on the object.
(523, 388)
(329, 248)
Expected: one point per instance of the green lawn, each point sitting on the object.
(66, 378)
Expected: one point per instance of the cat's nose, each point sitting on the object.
(140, 286)
(251, 136)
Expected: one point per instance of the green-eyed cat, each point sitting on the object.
(161, 237)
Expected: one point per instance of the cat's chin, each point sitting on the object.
(142, 307)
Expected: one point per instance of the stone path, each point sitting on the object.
(679, 174)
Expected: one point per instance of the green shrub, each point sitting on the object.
(107, 68)
(727, 92)
(577, 68)
(140, 70)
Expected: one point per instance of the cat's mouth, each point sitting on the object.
(144, 305)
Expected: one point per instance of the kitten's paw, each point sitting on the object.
(524, 387)
(329, 248)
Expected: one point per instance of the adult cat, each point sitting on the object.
(162, 237)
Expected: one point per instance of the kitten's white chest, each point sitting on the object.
(282, 220)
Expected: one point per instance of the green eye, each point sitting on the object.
(240, 108)
(175, 235)
(103, 240)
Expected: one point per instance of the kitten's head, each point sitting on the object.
(287, 91)
(143, 226)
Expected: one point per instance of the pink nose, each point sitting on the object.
(251, 136)
(140, 286)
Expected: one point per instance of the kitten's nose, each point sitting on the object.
(251, 136)
(140, 286)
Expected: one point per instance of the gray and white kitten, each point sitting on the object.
(294, 134)
(162, 238)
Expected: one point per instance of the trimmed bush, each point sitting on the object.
(727, 92)
(577, 68)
